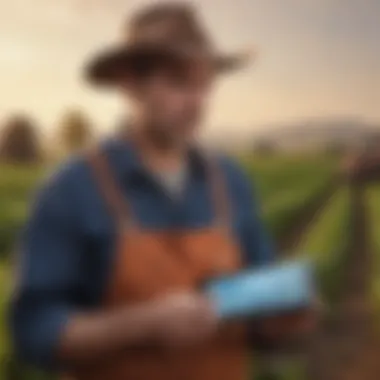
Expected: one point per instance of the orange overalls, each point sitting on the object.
(152, 263)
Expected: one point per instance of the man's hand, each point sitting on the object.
(179, 319)
(183, 319)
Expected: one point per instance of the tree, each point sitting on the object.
(75, 131)
(20, 142)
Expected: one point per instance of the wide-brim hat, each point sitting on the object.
(161, 31)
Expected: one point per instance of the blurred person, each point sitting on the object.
(121, 238)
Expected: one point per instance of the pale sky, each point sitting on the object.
(316, 58)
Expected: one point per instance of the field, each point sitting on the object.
(309, 213)
(373, 197)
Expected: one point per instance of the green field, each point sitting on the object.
(285, 186)
(17, 186)
(373, 204)
(274, 175)
(326, 243)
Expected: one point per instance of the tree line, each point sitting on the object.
(21, 141)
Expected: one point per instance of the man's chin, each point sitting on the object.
(167, 140)
(181, 141)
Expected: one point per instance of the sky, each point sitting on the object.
(315, 58)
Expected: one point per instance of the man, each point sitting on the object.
(121, 239)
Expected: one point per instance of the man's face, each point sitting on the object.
(172, 101)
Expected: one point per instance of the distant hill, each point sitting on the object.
(349, 132)
(324, 127)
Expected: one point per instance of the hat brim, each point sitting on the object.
(108, 67)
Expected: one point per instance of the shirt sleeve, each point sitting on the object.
(48, 268)
(257, 244)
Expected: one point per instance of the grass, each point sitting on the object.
(17, 185)
(373, 203)
(274, 175)
(326, 243)
(283, 207)
(286, 185)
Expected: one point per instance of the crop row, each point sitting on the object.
(373, 207)
(275, 175)
(327, 241)
(280, 210)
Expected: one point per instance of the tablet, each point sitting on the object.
(277, 289)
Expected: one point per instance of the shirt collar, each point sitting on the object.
(125, 158)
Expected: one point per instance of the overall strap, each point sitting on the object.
(219, 191)
(110, 189)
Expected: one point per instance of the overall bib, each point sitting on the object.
(152, 263)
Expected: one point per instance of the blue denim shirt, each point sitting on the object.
(68, 245)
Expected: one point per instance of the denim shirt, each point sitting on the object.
(68, 245)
